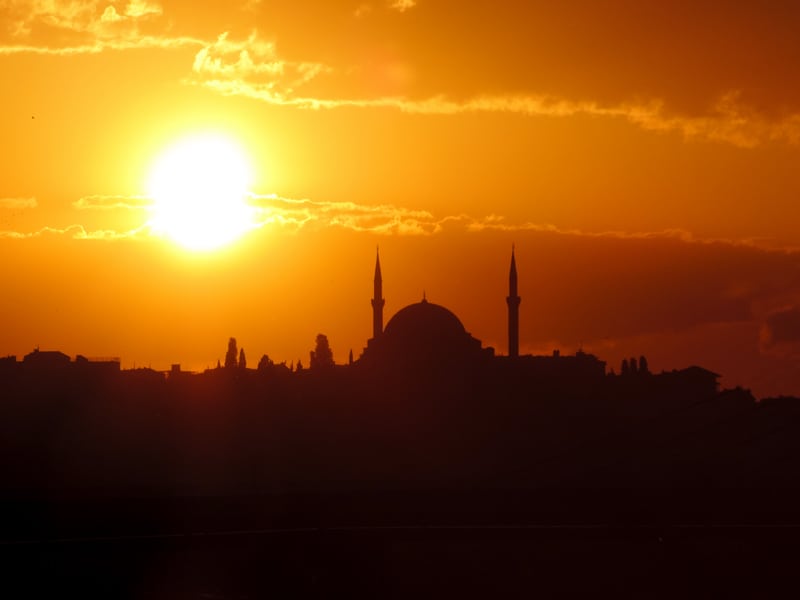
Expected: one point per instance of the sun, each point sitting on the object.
(199, 188)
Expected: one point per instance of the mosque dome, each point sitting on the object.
(424, 333)
(425, 322)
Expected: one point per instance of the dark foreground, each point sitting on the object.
(654, 544)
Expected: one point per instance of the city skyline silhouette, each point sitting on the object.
(422, 333)
(427, 433)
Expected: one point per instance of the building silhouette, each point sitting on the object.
(377, 300)
(424, 334)
(46, 359)
(513, 301)
(429, 337)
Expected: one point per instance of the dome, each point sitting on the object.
(423, 334)
(425, 321)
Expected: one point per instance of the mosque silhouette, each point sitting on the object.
(419, 334)
(429, 336)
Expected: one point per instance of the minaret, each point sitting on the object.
(377, 300)
(513, 301)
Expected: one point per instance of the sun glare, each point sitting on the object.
(199, 189)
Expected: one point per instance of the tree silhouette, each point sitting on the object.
(264, 363)
(242, 359)
(624, 369)
(643, 368)
(321, 356)
(230, 356)
(634, 369)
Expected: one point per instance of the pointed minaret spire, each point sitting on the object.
(377, 299)
(513, 301)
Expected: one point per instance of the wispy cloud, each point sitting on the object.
(402, 5)
(252, 68)
(389, 219)
(269, 210)
(728, 121)
(251, 5)
(85, 27)
(18, 203)
(251, 57)
(362, 10)
(106, 202)
(98, 46)
(78, 232)
(137, 9)
(383, 218)
(499, 223)
(98, 17)
(255, 61)
(111, 234)
(295, 214)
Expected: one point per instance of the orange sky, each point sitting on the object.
(642, 156)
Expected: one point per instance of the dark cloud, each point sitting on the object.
(688, 53)
(780, 333)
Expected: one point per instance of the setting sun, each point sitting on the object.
(199, 190)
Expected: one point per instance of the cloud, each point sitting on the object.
(402, 5)
(111, 234)
(362, 10)
(251, 57)
(110, 15)
(73, 27)
(780, 332)
(96, 47)
(137, 9)
(728, 121)
(499, 223)
(104, 203)
(78, 232)
(18, 203)
(101, 202)
(389, 219)
(252, 68)
(89, 16)
(269, 210)
(255, 61)
(273, 210)
(382, 219)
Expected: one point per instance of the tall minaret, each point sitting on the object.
(513, 301)
(377, 300)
